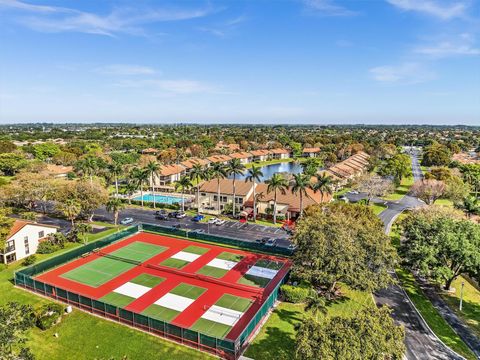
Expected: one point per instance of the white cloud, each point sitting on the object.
(434, 8)
(405, 73)
(120, 20)
(222, 30)
(327, 8)
(123, 69)
(172, 86)
(463, 45)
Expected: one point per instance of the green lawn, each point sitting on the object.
(276, 339)
(434, 320)
(85, 337)
(444, 202)
(470, 313)
(401, 190)
(377, 208)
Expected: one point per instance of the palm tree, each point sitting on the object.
(116, 169)
(70, 209)
(197, 173)
(152, 168)
(235, 167)
(130, 188)
(276, 183)
(254, 174)
(316, 304)
(90, 165)
(218, 172)
(183, 184)
(140, 176)
(84, 229)
(115, 205)
(300, 184)
(324, 184)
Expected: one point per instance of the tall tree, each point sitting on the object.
(342, 243)
(323, 185)
(276, 183)
(183, 184)
(218, 172)
(369, 334)
(436, 155)
(152, 168)
(15, 320)
(254, 174)
(114, 205)
(316, 304)
(197, 173)
(440, 246)
(310, 166)
(234, 168)
(70, 208)
(299, 185)
(5, 226)
(398, 166)
(374, 186)
(140, 176)
(428, 190)
(116, 169)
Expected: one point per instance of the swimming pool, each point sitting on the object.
(160, 199)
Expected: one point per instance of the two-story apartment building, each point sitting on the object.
(168, 174)
(23, 240)
(209, 195)
(280, 154)
(244, 157)
(260, 155)
(311, 152)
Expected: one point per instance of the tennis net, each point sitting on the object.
(119, 258)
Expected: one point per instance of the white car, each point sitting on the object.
(126, 221)
(180, 215)
(213, 220)
(220, 222)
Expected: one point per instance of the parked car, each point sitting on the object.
(161, 212)
(126, 221)
(161, 217)
(220, 222)
(197, 231)
(180, 215)
(173, 214)
(292, 247)
(198, 218)
(271, 242)
(213, 220)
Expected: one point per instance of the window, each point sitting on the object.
(27, 249)
(25, 240)
(215, 197)
(41, 234)
(239, 200)
(223, 199)
(10, 246)
(203, 194)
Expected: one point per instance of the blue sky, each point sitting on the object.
(258, 61)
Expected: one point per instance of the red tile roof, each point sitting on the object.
(20, 224)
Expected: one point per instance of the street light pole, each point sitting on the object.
(461, 295)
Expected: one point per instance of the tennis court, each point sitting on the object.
(197, 286)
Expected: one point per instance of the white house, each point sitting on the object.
(311, 152)
(23, 240)
(260, 155)
(244, 157)
(280, 154)
(167, 174)
(209, 194)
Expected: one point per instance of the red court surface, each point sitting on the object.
(215, 287)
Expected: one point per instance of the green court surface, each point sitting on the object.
(103, 269)
(253, 280)
(269, 264)
(98, 271)
(196, 250)
(117, 299)
(230, 256)
(212, 271)
(139, 251)
(234, 302)
(160, 313)
(174, 263)
(188, 291)
(211, 328)
(147, 280)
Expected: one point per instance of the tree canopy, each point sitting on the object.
(436, 155)
(369, 334)
(440, 245)
(342, 243)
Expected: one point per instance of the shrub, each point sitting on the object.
(29, 260)
(295, 294)
(49, 315)
(46, 247)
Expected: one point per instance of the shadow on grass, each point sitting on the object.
(276, 342)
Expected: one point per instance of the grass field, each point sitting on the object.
(276, 339)
(470, 313)
(444, 202)
(401, 190)
(377, 208)
(85, 337)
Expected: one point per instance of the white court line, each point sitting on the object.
(222, 315)
(262, 272)
(174, 302)
(186, 256)
(222, 264)
(133, 290)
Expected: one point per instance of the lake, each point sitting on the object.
(269, 170)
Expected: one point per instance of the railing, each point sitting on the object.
(227, 349)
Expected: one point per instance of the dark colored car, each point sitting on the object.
(161, 217)
(161, 212)
(173, 214)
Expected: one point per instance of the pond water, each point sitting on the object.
(269, 170)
